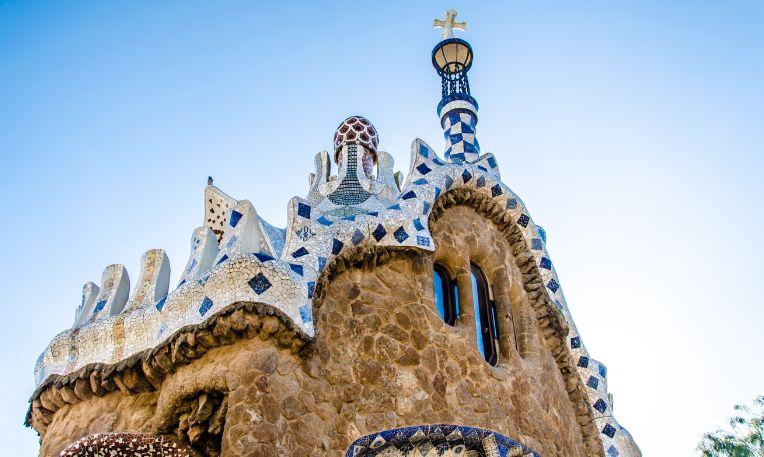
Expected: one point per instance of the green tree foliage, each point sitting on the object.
(746, 439)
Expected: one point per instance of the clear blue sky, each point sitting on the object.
(632, 130)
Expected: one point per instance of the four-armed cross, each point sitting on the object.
(449, 24)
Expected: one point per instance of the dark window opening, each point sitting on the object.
(485, 317)
(446, 295)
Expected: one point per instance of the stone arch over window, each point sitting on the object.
(465, 238)
(128, 445)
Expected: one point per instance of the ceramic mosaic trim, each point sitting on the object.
(437, 440)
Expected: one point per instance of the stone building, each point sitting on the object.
(417, 316)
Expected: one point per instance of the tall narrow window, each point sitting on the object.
(485, 317)
(446, 296)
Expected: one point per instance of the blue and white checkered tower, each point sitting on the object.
(452, 59)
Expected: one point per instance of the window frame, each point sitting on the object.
(486, 316)
(448, 292)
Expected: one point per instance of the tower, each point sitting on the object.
(457, 110)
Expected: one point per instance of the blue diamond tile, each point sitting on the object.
(423, 241)
(321, 263)
(481, 181)
(603, 370)
(492, 162)
(222, 259)
(425, 207)
(437, 192)
(575, 342)
(350, 218)
(160, 304)
(263, 257)
(235, 218)
(466, 176)
(205, 306)
(609, 430)
(408, 195)
(324, 221)
(482, 168)
(438, 162)
(553, 285)
(99, 306)
(420, 182)
(336, 246)
(593, 382)
(612, 451)
(300, 252)
(373, 213)
(496, 191)
(303, 210)
(418, 224)
(379, 232)
(181, 283)
(311, 287)
(583, 361)
(394, 207)
(297, 268)
(545, 263)
(424, 151)
(306, 314)
(400, 235)
(448, 182)
(536, 244)
(357, 237)
(523, 220)
(600, 405)
(423, 169)
(511, 203)
(259, 283)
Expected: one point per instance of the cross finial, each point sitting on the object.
(449, 24)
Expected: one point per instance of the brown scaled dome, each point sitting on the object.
(356, 130)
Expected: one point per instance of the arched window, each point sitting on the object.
(485, 316)
(446, 296)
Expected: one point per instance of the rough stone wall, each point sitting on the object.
(382, 359)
